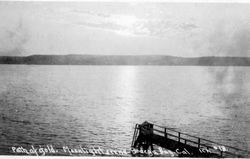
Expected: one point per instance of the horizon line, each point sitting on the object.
(122, 55)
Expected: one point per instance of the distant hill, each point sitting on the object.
(124, 60)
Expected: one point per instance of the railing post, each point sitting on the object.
(165, 133)
(179, 136)
(134, 136)
(199, 142)
(185, 142)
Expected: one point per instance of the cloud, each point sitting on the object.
(187, 26)
(230, 39)
(90, 13)
(131, 23)
(139, 27)
(13, 39)
(241, 42)
(175, 29)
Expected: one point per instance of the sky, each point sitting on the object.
(125, 28)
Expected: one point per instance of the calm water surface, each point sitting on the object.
(99, 105)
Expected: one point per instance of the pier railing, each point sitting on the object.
(201, 143)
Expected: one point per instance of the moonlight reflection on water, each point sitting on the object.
(99, 105)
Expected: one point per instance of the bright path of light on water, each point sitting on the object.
(126, 87)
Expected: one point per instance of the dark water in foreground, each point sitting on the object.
(99, 105)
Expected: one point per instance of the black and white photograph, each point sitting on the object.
(125, 79)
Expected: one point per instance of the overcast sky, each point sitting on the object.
(132, 28)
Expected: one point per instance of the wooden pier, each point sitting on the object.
(181, 144)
